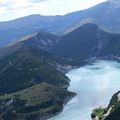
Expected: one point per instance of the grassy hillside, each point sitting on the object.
(31, 86)
(26, 67)
(35, 102)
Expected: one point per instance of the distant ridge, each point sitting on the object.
(106, 15)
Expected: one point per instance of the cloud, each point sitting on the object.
(5, 3)
(37, 1)
(11, 9)
(15, 4)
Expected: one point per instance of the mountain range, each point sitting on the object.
(84, 43)
(105, 15)
(36, 52)
(39, 61)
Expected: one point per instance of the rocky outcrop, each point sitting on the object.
(111, 112)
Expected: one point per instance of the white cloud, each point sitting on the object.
(37, 1)
(11, 9)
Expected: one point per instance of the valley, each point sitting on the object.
(39, 62)
(54, 69)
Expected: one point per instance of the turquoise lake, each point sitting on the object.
(94, 84)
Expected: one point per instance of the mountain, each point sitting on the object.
(77, 47)
(30, 66)
(32, 84)
(105, 15)
(32, 69)
(87, 41)
(15, 29)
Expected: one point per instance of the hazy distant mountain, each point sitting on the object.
(15, 29)
(106, 15)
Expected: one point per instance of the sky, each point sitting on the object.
(12, 9)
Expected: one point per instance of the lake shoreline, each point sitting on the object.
(90, 67)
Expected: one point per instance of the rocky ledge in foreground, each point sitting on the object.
(112, 112)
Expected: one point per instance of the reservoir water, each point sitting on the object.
(94, 84)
